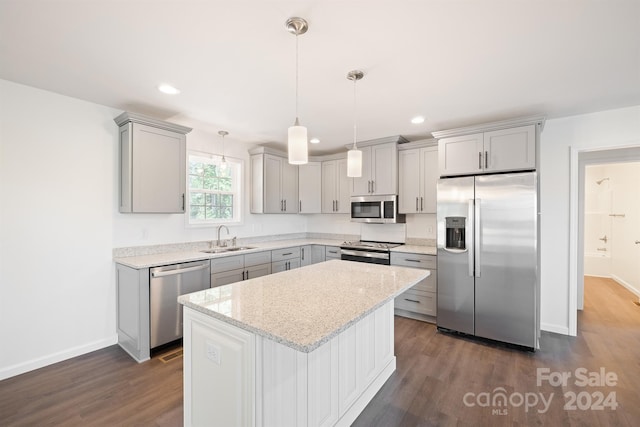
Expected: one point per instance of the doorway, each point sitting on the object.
(608, 219)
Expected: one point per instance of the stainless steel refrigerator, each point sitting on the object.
(487, 228)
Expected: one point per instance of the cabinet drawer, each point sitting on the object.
(332, 252)
(414, 260)
(286, 253)
(430, 284)
(417, 302)
(227, 263)
(257, 258)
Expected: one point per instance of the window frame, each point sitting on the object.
(238, 195)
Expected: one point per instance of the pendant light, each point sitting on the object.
(223, 164)
(354, 156)
(297, 135)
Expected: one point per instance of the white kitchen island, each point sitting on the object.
(305, 347)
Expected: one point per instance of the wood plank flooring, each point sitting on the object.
(434, 373)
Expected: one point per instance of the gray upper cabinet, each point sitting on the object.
(274, 184)
(379, 170)
(310, 187)
(336, 186)
(152, 165)
(495, 147)
(418, 177)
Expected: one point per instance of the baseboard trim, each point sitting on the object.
(628, 286)
(556, 329)
(41, 362)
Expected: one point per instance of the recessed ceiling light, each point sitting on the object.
(417, 120)
(168, 89)
(314, 140)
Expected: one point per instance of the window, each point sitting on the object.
(214, 190)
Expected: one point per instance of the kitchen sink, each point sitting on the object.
(227, 249)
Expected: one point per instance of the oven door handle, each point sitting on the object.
(380, 255)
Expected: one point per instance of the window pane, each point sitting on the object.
(210, 214)
(225, 184)
(226, 200)
(197, 212)
(197, 198)
(195, 168)
(195, 181)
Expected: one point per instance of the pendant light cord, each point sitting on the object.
(355, 134)
(297, 65)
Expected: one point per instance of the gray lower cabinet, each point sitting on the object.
(306, 255)
(331, 252)
(236, 268)
(317, 254)
(419, 302)
(285, 259)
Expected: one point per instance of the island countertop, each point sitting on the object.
(305, 307)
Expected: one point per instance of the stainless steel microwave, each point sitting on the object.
(376, 209)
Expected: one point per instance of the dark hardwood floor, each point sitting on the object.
(434, 373)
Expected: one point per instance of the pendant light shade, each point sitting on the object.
(297, 146)
(354, 156)
(298, 151)
(354, 163)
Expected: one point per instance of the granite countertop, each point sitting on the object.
(305, 307)
(155, 260)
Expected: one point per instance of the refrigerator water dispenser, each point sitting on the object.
(455, 232)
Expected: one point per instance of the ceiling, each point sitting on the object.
(456, 63)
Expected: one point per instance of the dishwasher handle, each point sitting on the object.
(178, 271)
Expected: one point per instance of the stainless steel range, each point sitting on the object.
(367, 251)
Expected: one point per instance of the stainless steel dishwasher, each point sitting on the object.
(167, 283)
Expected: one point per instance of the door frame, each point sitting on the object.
(579, 159)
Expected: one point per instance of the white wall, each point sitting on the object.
(59, 223)
(57, 185)
(603, 130)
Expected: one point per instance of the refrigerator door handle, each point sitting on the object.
(469, 237)
(477, 227)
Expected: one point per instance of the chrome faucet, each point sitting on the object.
(219, 228)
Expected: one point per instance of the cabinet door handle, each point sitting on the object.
(281, 205)
(182, 202)
(486, 160)
(302, 249)
(416, 204)
(412, 300)
(368, 186)
(247, 275)
(285, 205)
(337, 206)
(300, 208)
(288, 253)
(333, 206)
(243, 276)
(412, 260)
(421, 204)
(479, 159)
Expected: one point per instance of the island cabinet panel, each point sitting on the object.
(221, 354)
(231, 374)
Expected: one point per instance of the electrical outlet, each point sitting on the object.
(213, 352)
